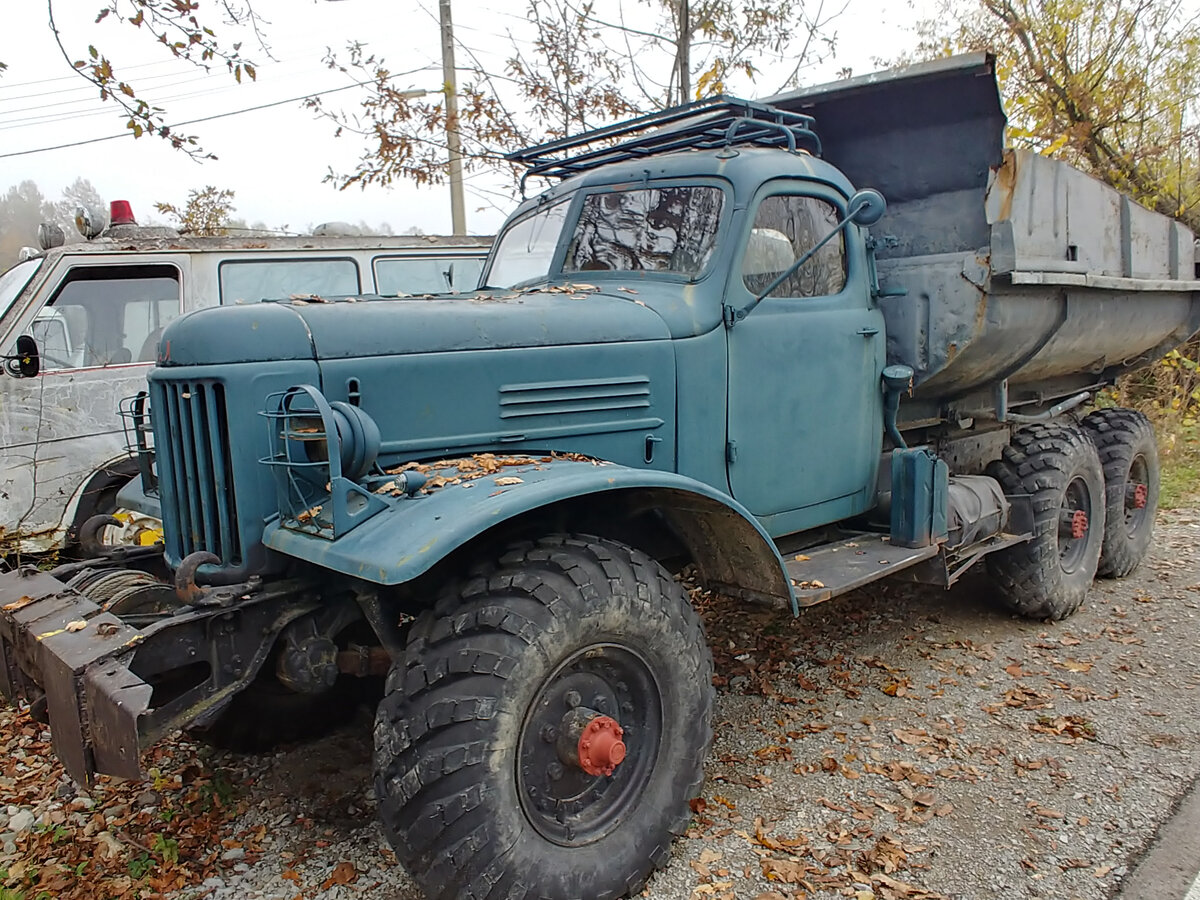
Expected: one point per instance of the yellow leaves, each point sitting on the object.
(709, 82)
(1055, 146)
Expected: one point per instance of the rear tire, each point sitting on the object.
(475, 793)
(1048, 577)
(1128, 452)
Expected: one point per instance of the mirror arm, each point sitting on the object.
(735, 316)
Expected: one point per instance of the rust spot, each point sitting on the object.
(1004, 182)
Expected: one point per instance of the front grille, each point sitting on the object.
(195, 469)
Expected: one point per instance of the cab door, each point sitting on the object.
(805, 403)
(96, 322)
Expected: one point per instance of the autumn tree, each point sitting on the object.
(207, 212)
(1110, 86)
(584, 66)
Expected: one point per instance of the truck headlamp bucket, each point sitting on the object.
(304, 423)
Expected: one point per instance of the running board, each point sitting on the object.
(825, 571)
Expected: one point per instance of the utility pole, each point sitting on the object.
(683, 52)
(453, 142)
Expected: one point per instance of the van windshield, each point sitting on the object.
(13, 282)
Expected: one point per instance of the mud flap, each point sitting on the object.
(57, 643)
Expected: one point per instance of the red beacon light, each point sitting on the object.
(120, 212)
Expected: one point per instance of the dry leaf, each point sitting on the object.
(509, 479)
(343, 873)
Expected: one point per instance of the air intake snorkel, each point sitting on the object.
(897, 380)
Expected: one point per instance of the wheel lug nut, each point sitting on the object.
(549, 734)
(600, 702)
(573, 699)
(555, 771)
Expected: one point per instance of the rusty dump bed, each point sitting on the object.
(1013, 267)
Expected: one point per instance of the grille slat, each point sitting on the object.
(195, 460)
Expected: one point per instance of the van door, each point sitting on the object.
(97, 326)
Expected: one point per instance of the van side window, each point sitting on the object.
(785, 228)
(106, 316)
(426, 274)
(278, 279)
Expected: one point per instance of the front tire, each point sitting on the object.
(485, 785)
(1128, 452)
(1048, 576)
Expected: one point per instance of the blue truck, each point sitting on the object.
(706, 347)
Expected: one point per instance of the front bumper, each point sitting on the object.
(60, 648)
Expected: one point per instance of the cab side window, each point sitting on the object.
(785, 228)
(106, 316)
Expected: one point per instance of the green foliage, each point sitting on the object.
(166, 848)
(141, 864)
(207, 212)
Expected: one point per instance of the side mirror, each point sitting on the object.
(26, 363)
(866, 207)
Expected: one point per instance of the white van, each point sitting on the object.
(95, 310)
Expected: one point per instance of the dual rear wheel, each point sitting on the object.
(1094, 492)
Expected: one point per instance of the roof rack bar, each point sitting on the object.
(703, 125)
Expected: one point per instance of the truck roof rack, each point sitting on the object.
(720, 121)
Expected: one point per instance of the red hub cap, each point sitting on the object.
(1079, 524)
(1140, 493)
(601, 749)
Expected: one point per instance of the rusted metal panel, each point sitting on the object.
(56, 638)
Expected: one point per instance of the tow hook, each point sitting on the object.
(89, 535)
(186, 588)
(591, 741)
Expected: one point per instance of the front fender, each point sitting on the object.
(397, 545)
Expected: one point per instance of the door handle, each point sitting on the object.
(868, 331)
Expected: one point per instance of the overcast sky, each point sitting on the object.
(274, 159)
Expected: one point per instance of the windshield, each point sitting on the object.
(656, 229)
(13, 282)
(527, 248)
(652, 229)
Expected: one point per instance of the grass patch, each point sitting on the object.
(1180, 454)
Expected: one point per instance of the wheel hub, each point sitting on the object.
(589, 744)
(601, 749)
(1138, 495)
(1074, 523)
(589, 740)
(1079, 524)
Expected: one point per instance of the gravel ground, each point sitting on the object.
(898, 742)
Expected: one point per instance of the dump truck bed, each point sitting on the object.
(999, 266)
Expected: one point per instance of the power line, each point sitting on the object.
(236, 112)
